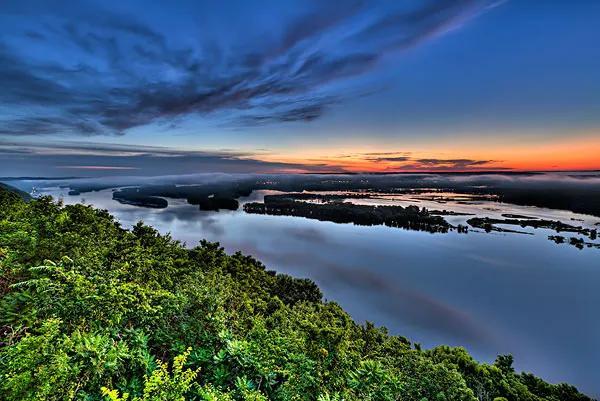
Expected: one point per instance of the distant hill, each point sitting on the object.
(24, 195)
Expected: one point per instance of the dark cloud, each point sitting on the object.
(407, 161)
(303, 112)
(453, 164)
(385, 153)
(391, 159)
(68, 157)
(51, 125)
(125, 74)
(89, 159)
(378, 156)
(20, 85)
(308, 234)
(108, 149)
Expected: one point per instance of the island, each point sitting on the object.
(132, 196)
(490, 224)
(209, 198)
(579, 243)
(410, 217)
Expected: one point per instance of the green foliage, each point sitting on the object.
(162, 385)
(90, 311)
(39, 366)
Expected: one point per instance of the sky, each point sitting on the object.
(93, 88)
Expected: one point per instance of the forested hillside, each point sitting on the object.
(90, 311)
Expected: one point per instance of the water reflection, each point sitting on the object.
(493, 293)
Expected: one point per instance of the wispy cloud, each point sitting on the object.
(410, 161)
(452, 164)
(390, 158)
(43, 158)
(119, 73)
(19, 158)
(97, 168)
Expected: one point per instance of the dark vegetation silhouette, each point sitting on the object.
(491, 224)
(208, 197)
(131, 196)
(578, 197)
(410, 217)
(578, 243)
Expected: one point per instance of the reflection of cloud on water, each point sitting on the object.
(212, 225)
(190, 215)
(403, 305)
(307, 234)
(491, 261)
(413, 307)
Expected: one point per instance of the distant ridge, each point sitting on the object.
(37, 178)
(24, 195)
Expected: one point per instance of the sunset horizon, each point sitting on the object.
(558, 155)
(301, 87)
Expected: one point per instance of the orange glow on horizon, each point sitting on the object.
(563, 154)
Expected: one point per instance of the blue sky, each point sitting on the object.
(299, 82)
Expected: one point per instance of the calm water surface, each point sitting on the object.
(492, 293)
